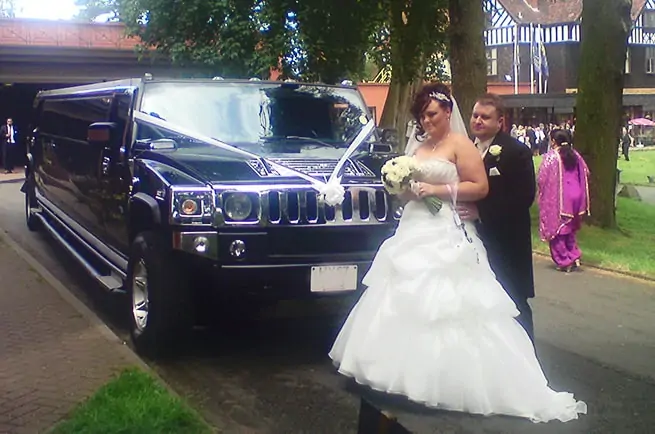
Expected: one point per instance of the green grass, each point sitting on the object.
(136, 403)
(635, 171)
(630, 248)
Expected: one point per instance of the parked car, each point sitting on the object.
(185, 193)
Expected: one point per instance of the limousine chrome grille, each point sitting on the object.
(324, 167)
(302, 206)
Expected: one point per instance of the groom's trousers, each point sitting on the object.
(511, 261)
(525, 318)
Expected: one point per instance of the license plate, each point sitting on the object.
(333, 278)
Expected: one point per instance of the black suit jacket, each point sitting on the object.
(3, 134)
(505, 215)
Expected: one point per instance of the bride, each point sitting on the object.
(434, 325)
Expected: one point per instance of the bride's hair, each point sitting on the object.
(438, 92)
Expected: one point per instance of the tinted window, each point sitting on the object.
(71, 118)
(252, 113)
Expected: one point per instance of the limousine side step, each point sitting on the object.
(110, 283)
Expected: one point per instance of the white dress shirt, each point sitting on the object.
(10, 131)
(483, 146)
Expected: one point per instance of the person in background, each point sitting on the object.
(544, 139)
(563, 198)
(531, 134)
(626, 142)
(8, 142)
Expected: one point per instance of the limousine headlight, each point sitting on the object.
(192, 206)
(239, 206)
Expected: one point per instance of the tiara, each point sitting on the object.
(439, 96)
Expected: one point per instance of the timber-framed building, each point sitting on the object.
(534, 46)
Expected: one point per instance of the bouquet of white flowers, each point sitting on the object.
(398, 175)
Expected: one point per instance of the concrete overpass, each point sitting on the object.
(41, 51)
(42, 54)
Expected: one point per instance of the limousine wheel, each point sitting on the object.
(31, 220)
(159, 310)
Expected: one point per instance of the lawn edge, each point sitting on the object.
(94, 320)
(618, 273)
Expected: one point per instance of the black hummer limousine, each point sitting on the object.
(180, 193)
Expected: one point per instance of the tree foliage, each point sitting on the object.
(7, 9)
(219, 34)
(319, 40)
(92, 9)
(605, 29)
(313, 40)
(322, 40)
(417, 32)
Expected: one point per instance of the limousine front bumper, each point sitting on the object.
(282, 262)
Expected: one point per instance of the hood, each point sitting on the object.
(210, 165)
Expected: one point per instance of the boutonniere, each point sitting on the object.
(495, 150)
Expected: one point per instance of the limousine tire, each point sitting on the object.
(160, 313)
(31, 220)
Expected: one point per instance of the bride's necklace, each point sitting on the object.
(437, 142)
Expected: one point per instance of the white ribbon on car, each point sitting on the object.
(332, 191)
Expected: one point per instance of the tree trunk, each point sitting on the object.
(599, 106)
(468, 63)
(396, 113)
(414, 28)
(388, 117)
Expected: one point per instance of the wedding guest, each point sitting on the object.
(8, 143)
(563, 183)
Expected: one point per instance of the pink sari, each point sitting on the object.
(563, 200)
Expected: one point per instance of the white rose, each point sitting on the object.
(495, 150)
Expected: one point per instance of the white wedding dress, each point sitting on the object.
(435, 326)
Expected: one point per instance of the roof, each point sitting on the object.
(548, 12)
(108, 86)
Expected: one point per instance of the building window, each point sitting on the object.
(650, 60)
(492, 61)
(627, 61)
(649, 19)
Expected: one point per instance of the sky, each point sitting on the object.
(47, 9)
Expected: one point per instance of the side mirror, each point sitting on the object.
(101, 133)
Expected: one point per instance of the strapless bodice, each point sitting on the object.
(438, 171)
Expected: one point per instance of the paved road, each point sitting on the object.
(595, 336)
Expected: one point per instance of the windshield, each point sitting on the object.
(265, 117)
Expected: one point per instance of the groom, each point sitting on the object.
(504, 215)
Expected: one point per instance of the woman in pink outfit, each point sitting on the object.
(563, 183)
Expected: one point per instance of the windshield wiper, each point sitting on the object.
(310, 139)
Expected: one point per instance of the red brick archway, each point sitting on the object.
(43, 51)
(67, 34)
